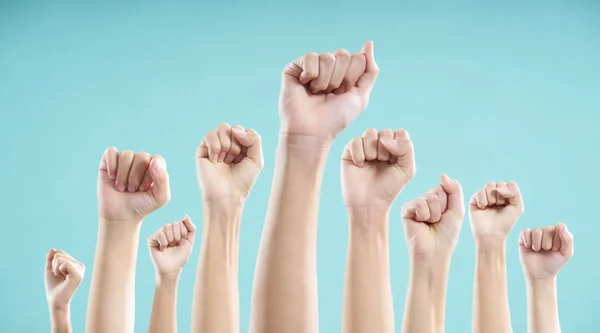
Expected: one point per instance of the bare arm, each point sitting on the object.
(542, 306)
(60, 320)
(164, 308)
(368, 305)
(216, 299)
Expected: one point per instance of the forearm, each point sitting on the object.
(368, 305)
(60, 320)
(216, 299)
(491, 312)
(542, 306)
(164, 308)
(285, 289)
(425, 307)
(112, 291)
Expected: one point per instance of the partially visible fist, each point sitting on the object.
(494, 210)
(432, 222)
(171, 245)
(376, 166)
(228, 161)
(63, 275)
(544, 251)
(321, 94)
(131, 185)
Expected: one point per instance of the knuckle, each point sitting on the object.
(342, 54)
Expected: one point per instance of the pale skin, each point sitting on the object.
(432, 224)
(375, 168)
(228, 161)
(493, 211)
(170, 248)
(130, 186)
(63, 275)
(320, 96)
(543, 253)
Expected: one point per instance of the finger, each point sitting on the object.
(147, 178)
(490, 192)
(49, 258)
(224, 135)
(367, 80)
(515, 197)
(481, 199)
(310, 67)
(355, 70)
(163, 241)
(435, 208)
(108, 164)
(182, 229)
(123, 168)
(556, 242)
(167, 229)
(241, 156)
(383, 154)
(65, 255)
(526, 234)
(191, 228)
(160, 180)
(213, 146)
(370, 144)
(138, 169)
(176, 227)
(500, 200)
(422, 213)
(340, 67)
(236, 148)
(71, 272)
(252, 141)
(455, 195)
(567, 247)
(402, 150)
(56, 262)
(326, 63)
(547, 237)
(536, 239)
(357, 150)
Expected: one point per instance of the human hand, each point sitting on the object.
(544, 252)
(63, 276)
(228, 162)
(322, 94)
(131, 186)
(494, 210)
(375, 168)
(432, 222)
(171, 246)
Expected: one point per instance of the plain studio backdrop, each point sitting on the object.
(505, 91)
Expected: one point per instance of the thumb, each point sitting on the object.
(251, 140)
(160, 180)
(72, 275)
(49, 258)
(367, 80)
(191, 228)
(402, 148)
(455, 195)
(567, 247)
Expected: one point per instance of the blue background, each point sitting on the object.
(487, 91)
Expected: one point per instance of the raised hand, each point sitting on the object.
(228, 162)
(494, 210)
(433, 221)
(376, 166)
(131, 185)
(171, 246)
(63, 276)
(322, 94)
(544, 251)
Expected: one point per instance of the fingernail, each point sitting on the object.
(221, 157)
(238, 130)
(143, 188)
(120, 187)
(389, 142)
(214, 157)
(445, 178)
(159, 163)
(131, 188)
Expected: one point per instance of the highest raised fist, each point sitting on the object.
(171, 246)
(432, 222)
(62, 278)
(544, 251)
(321, 94)
(228, 162)
(375, 168)
(131, 185)
(494, 210)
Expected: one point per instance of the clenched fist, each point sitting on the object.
(494, 210)
(432, 222)
(131, 185)
(376, 166)
(171, 246)
(228, 162)
(321, 94)
(63, 276)
(544, 251)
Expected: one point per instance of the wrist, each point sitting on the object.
(121, 224)
(541, 282)
(305, 146)
(490, 244)
(168, 279)
(60, 309)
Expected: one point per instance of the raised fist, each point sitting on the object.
(321, 94)
(494, 210)
(228, 162)
(432, 222)
(63, 276)
(171, 246)
(131, 185)
(545, 251)
(376, 166)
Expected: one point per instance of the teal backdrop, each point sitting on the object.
(508, 90)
